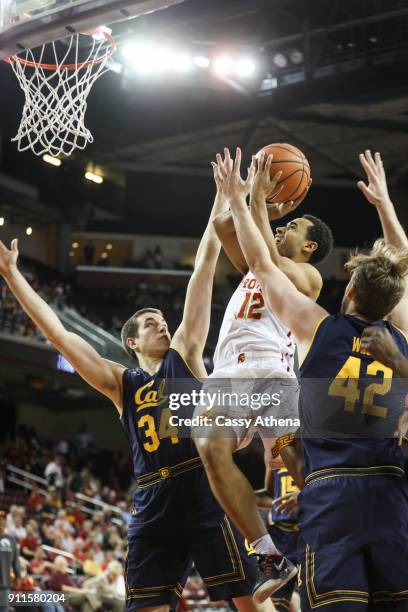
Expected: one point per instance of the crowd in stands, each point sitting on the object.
(67, 542)
(107, 308)
(71, 524)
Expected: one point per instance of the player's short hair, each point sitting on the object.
(130, 329)
(379, 279)
(320, 233)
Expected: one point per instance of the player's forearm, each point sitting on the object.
(249, 236)
(260, 216)
(392, 229)
(400, 368)
(210, 245)
(35, 307)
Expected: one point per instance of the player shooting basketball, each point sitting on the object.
(175, 519)
(255, 344)
(354, 546)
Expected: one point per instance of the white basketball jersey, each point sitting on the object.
(250, 331)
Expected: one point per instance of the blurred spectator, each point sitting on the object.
(9, 561)
(59, 576)
(83, 440)
(29, 543)
(63, 447)
(195, 592)
(158, 257)
(35, 500)
(26, 583)
(108, 590)
(89, 254)
(40, 565)
(13, 512)
(53, 472)
(17, 530)
(148, 259)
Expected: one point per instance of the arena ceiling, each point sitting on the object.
(154, 139)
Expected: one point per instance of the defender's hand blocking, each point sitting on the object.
(233, 185)
(378, 342)
(8, 257)
(376, 191)
(221, 168)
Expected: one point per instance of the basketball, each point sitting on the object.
(295, 170)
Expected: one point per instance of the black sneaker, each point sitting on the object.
(273, 571)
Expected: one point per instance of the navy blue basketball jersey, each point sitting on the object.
(349, 403)
(283, 484)
(154, 442)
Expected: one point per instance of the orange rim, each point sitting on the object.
(108, 38)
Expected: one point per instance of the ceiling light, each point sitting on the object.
(280, 60)
(95, 178)
(296, 57)
(181, 62)
(145, 58)
(245, 67)
(49, 159)
(201, 61)
(29, 231)
(223, 65)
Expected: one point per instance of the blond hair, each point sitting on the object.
(379, 279)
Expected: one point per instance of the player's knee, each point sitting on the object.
(214, 451)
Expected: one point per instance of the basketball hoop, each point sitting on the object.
(56, 81)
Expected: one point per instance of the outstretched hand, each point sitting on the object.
(227, 175)
(376, 191)
(8, 257)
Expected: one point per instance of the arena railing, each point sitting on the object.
(105, 343)
(80, 497)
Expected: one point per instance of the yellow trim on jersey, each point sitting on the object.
(313, 338)
(317, 600)
(237, 574)
(374, 470)
(168, 472)
(185, 363)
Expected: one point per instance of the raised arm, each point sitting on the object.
(293, 308)
(103, 375)
(191, 336)
(225, 229)
(376, 193)
(303, 275)
(263, 213)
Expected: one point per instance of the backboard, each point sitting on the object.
(27, 24)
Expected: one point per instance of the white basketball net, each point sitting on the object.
(53, 119)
